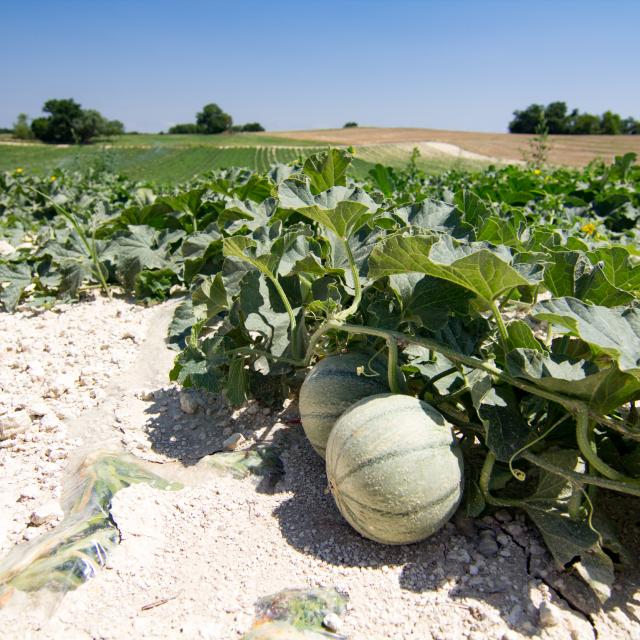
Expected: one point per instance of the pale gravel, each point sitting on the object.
(220, 544)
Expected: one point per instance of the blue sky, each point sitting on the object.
(451, 64)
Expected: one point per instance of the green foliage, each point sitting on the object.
(559, 121)
(350, 125)
(21, 128)
(212, 119)
(446, 273)
(186, 128)
(68, 123)
(252, 126)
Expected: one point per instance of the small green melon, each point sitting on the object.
(332, 386)
(394, 468)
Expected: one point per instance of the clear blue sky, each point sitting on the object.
(450, 64)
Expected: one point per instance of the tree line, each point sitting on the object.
(211, 120)
(66, 122)
(557, 119)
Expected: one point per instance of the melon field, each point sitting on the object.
(464, 343)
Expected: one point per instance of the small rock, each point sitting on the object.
(189, 402)
(233, 442)
(487, 546)
(30, 533)
(549, 614)
(503, 516)
(30, 492)
(147, 396)
(332, 622)
(36, 371)
(48, 512)
(503, 539)
(473, 569)
(14, 423)
(49, 422)
(458, 555)
(130, 335)
(60, 385)
(38, 409)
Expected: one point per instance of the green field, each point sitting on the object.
(176, 158)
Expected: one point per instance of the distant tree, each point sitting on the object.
(610, 123)
(113, 128)
(631, 127)
(69, 123)
(350, 125)
(21, 128)
(585, 123)
(89, 124)
(526, 121)
(59, 126)
(556, 116)
(212, 119)
(187, 127)
(252, 126)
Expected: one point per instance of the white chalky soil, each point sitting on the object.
(218, 545)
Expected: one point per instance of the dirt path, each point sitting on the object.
(212, 549)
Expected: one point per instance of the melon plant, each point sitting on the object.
(394, 468)
(332, 386)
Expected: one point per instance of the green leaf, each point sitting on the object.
(14, 278)
(142, 249)
(327, 169)
(344, 219)
(520, 336)
(613, 332)
(180, 326)
(236, 389)
(154, 284)
(436, 216)
(210, 298)
(617, 267)
(506, 430)
(428, 302)
(603, 389)
(570, 541)
(73, 272)
(483, 269)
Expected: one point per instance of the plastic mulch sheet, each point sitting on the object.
(297, 614)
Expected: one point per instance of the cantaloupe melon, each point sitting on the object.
(394, 468)
(332, 386)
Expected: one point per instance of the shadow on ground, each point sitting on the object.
(450, 560)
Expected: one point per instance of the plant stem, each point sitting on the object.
(485, 481)
(504, 336)
(285, 301)
(357, 296)
(392, 366)
(584, 437)
(583, 478)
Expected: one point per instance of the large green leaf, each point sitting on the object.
(432, 215)
(327, 169)
(506, 430)
(613, 332)
(483, 269)
(604, 389)
(571, 541)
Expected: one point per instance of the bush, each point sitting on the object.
(252, 126)
(350, 125)
(21, 128)
(187, 127)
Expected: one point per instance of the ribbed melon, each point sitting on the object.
(394, 468)
(332, 386)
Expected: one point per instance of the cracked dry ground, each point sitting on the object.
(95, 374)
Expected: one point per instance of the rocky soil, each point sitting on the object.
(94, 375)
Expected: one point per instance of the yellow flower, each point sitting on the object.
(536, 172)
(53, 178)
(589, 228)
(19, 170)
